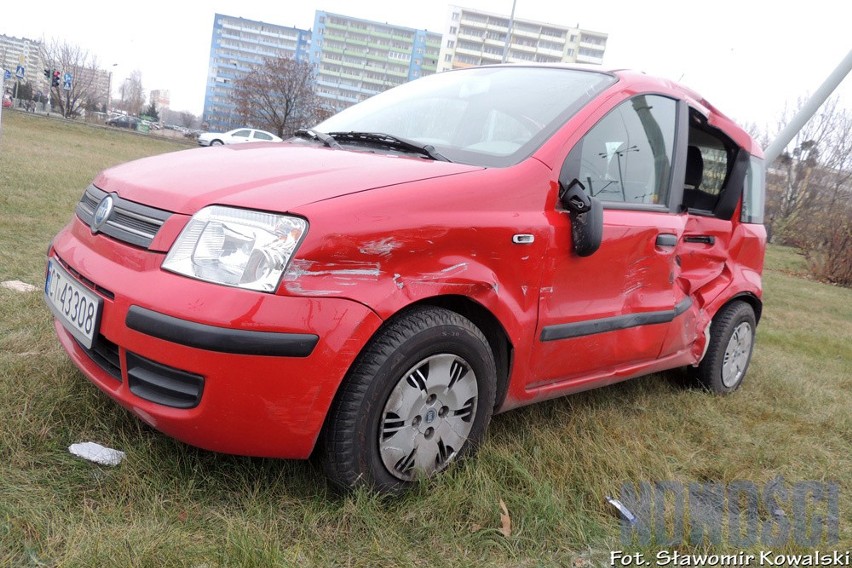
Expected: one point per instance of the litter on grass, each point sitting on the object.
(97, 453)
(18, 286)
(623, 511)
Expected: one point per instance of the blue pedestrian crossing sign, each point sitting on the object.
(66, 82)
(7, 74)
(20, 72)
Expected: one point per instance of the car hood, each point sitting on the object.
(270, 176)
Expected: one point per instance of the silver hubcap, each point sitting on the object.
(736, 355)
(428, 416)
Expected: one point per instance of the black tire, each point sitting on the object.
(364, 425)
(728, 355)
(216, 142)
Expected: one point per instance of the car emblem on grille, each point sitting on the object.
(102, 213)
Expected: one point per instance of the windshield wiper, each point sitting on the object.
(389, 141)
(309, 134)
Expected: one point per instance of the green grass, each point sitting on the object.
(552, 464)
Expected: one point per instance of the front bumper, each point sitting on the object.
(221, 368)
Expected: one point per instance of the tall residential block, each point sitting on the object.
(237, 43)
(161, 98)
(473, 37)
(356, 59)
(27, 53)
(91, 84)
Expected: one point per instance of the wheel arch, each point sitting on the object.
(501, 346)
(479, 315)
(750, 299)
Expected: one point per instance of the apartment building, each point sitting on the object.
(161, 98)
(91, 83)
(356, 59)
(474, 37)
(236, 44)
(20, 51)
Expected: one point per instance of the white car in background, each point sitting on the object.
(238, 136)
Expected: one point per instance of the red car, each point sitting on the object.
(374, 289)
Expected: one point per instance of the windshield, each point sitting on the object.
(486, 116)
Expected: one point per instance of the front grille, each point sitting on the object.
(85, 281)
(104, 354)
(129, 222)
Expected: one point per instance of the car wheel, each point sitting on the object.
(418, 398)
(216, 142)
(729, 352)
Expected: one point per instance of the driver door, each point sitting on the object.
(601, 315)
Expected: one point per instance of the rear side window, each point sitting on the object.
(755, 192)
(627, 156)
(262, 136)
(709, 161)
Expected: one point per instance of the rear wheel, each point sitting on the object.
(418, 399)
(729, 352)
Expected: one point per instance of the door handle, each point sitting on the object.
(700, 239)
(666, 240)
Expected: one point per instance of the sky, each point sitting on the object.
(752, 59)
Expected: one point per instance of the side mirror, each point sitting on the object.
(586, 217)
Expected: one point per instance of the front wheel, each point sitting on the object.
(729, 352)
(418, 398)
(216, 143)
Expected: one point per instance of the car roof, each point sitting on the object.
(629, 79)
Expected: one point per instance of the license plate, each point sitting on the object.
(75, 306)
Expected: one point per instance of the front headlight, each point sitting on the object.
(236, 247)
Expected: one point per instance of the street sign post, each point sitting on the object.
(66, 86)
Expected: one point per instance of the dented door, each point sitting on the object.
(605, 313)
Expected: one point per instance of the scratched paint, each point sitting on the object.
(382, 247)
(441, 275)
(354, 270)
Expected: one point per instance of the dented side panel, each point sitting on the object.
(619, 298)
(457, 241)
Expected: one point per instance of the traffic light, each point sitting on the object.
(47, 73)
(56, 75)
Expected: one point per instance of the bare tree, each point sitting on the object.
(187, 119)
(132, 93)
(278, 94)
(83, 67)
(809, 194)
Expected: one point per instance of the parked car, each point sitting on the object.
(237, 136)
(122, 121)
(375, 289)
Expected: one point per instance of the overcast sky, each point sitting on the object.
(750, 58)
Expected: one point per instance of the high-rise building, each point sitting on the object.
(474, 37)
(161, 98)
(90, 83)
(356, 59)
(237, 43)
(27, 53)
(95, 83)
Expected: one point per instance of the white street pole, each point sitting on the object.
(789, 132)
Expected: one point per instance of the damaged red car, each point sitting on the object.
(373, 290)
